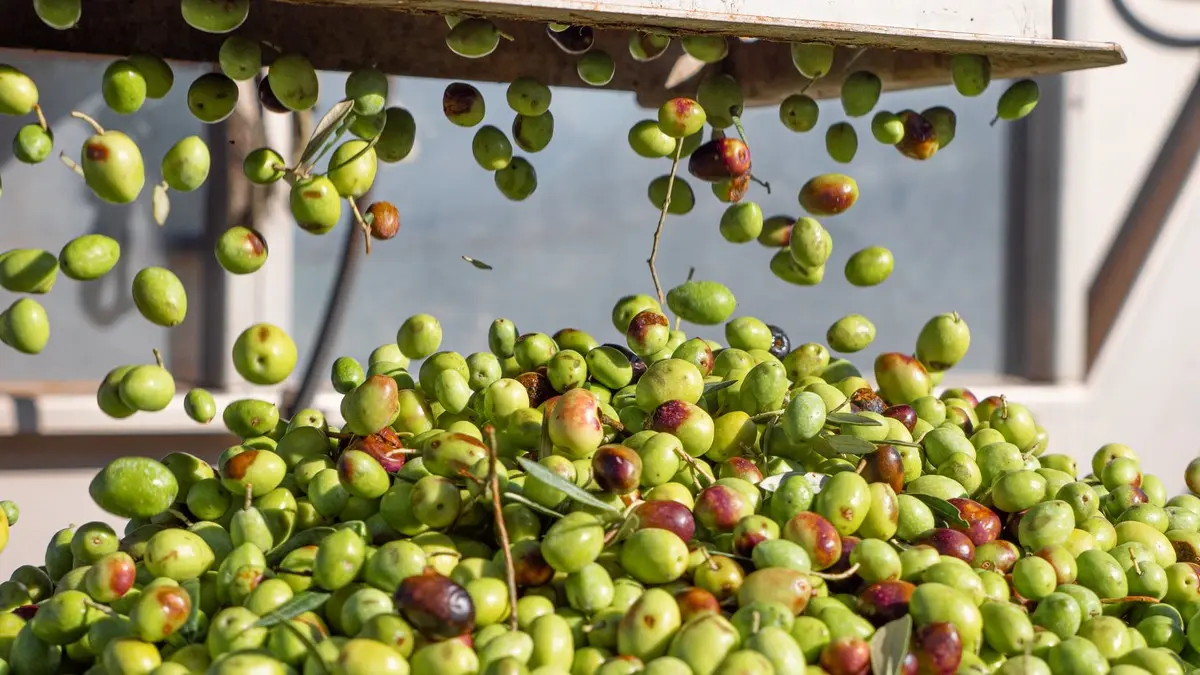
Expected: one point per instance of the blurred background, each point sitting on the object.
(1063, 240)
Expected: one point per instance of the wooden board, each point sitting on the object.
(403, 37)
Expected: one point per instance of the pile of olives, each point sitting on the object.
(555, 505)
(657, 505)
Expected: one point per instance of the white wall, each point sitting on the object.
(1140, 391)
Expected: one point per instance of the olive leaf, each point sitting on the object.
(333, 120)
(309, 537)
(364, 150)
(942, 509)
(189, 629)
(841, 444)
(301, 603)
(479, 264)
(892, 441)
(710, 387)
(889, 646)
(162, 204)
(852, 419)
(565, 486)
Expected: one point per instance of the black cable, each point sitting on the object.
(335, 309)
(1151, 33)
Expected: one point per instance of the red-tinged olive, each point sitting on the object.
(696, 602)
(885, 601)
(885, 465)
(436, 606)
(996, 556)
(720, 507)
(904, 414)
(617, 469)
(741, 467)
(538, 386)
(846, 656)
(983, 524)
(732, 190)
(777, 231)
(663, 514)
(817, 536)
(385, 446)
(950, 542)
(531, 568)
(938, 648)
(829, 194)
(867, 400)
(720, 159)
(920, 136)
(385, 220)
(910, 666)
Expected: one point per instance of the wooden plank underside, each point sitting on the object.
(400, 40)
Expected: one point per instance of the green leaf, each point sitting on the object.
(190, 627)
(718, 386)
(479, 264)
(942, 509)
(162, 204)
(365, 149)
(299, 604)
(849, 445)
(889, 646)
(565, 486)
(309, 537)
(852, 419)
(335, 118)
(907, 444)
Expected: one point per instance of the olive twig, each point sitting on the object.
(510, 570)
(87, 118)
(358, 218)
(701, 477)
(37, 108)
(840, 576)
(1129, 598)
(662, 219)
(71, 164)
(615, 424)
(761, 182)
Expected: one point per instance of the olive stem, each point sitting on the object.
(71, 164)
(512, 497)
(1136, 567)
(1129, 598)
(100, 608)
(761, 182)
(712, 564)
(767, 416)
(662, 219)
(37, 108)
(249, 500)
(615, 424)
(86, 118)
(839, 576)
(504, 35)
(701, 477)
(994, 120)
(862, 464)
(358, 218)
(510, 570)
(158, 358)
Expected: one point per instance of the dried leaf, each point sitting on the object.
(301, 603)
(889, 646)
(162, 204)
(565, 486)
